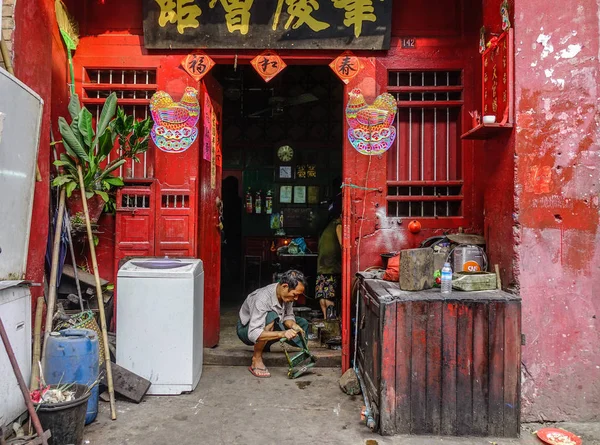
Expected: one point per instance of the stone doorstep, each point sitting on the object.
(223, 356)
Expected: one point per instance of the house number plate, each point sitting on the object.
(409, 43)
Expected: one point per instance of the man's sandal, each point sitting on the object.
(265, 372)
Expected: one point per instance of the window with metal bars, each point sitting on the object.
(134, 89)
(424, 176)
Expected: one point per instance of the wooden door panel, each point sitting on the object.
(209, 235)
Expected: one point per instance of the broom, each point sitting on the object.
(70, 34)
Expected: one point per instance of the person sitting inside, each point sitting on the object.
(329, 261)
(267, 316)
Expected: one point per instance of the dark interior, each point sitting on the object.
(300, 108)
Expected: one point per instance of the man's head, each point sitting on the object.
(292, 284)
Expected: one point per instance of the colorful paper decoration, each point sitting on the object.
(268, 65)
(371, 127)
(197, 65)
(174, 127)
(504, 13)
(346, 66)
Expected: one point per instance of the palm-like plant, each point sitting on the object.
(91, 149)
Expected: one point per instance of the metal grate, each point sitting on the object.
(425, 201)
(134, 201)
(424, 166)
(175, 201)
(134, 89)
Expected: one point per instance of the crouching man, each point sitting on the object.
(267, 316)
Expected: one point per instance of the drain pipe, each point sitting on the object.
(367, 413)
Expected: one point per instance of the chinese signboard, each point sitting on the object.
(254, 24)
(268, 65)
(346, 66)
(495, 79)
(197, 65)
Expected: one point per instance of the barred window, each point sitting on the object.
(134, 89)
(424, 176)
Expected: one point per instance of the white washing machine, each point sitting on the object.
(160, 314)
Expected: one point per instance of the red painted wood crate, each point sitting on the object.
(434, 365)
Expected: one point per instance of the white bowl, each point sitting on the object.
(489, 119)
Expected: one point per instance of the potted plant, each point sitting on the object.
(91, 149)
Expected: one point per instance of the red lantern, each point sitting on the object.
(414, 226)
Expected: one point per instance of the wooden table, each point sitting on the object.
(440, 365)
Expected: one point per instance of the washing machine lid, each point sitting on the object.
(149, 267)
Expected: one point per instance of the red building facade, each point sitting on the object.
(532, 191)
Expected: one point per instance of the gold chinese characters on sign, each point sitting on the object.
(185, 13)
(197, 65)
(268, 65)
(346, 66)
(318, 24)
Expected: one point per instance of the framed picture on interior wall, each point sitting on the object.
(285, 172)
(285, 194)
(313, 194)
(300, 194)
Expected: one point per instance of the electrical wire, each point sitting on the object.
(362, 218)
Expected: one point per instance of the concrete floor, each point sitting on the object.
(230, 406)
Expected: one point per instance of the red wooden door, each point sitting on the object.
(134, 236)
(209, 236)
(176, 219)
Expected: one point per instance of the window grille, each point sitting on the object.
(175, 201)
(134, 89)
(135, 201)
(424, 177)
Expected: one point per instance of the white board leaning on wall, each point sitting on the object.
(20, 121)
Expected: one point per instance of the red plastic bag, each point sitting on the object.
(392, 273)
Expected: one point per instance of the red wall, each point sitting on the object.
(557, 240)
(449, 42)
(40, 62)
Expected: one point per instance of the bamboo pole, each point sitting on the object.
(74, 261)
(54, 270)
(111, 389)
(37, 344)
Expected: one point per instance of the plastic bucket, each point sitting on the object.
(72, 357)
(65, 420)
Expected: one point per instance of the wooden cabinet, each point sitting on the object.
(434, 365)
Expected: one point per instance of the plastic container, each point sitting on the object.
(72, 357)
(446, 279)
(66, 420)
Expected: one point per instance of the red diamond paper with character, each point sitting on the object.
(268, 65)
(346, 66)
(197, 65)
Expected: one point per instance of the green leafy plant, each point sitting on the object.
(91, 148)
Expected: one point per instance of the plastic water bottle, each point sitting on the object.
(446, 279)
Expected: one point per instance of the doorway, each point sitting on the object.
(282, 167)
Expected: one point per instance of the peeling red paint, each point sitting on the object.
(557, 137)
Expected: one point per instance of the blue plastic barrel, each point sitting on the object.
(72, 357)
